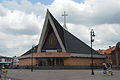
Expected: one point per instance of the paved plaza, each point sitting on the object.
(61, 75)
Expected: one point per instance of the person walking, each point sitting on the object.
(104, 68)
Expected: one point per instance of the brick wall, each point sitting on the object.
(81, 61)
(108, 58)
(27, 62)
(67, 61)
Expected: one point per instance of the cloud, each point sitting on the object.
(21, 22)
(87, 13)
(16, 44)
(80, 29)
(3, 11)
(90, 12)
(106, 34)
(18, 31)
(25, 6)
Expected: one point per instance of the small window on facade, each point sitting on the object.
(0, 59)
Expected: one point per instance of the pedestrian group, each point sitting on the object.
(107, 68)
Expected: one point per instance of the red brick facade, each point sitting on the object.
(68, 61)
(77, 61)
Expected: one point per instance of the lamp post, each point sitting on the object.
(32, 58)
(92, 40)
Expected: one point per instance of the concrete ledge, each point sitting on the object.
(60, 67)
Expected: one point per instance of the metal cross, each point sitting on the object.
(64, 20)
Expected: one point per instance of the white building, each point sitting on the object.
(6, 61)
(15, 62)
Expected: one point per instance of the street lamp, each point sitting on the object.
(32, 51)
(92, 40)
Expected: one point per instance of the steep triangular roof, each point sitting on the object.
(70, 43)
(49, 20)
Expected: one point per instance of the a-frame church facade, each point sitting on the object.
(58, 47)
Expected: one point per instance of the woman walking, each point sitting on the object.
(104, 68)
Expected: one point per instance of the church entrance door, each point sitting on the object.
(51, 62)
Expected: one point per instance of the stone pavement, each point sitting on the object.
(61, 75)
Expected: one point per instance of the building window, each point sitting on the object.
(5, 59)
(0, 59)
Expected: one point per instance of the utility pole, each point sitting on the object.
(92, 40)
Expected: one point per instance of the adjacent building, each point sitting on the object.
(107, 53)
(15, 62)
(5, 62)
(116, 56)
(112, 55)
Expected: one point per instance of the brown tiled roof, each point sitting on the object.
(107, 51)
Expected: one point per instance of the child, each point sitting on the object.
(109, 70)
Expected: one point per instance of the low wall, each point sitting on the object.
(60, 67)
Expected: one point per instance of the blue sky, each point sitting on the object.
(49, 1)
(46, 2)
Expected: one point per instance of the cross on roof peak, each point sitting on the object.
(65, 15)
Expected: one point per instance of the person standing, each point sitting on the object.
(110, 65)
(0, 73)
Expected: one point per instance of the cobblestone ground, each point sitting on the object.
(61, 75)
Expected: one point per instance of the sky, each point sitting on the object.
(21, 22)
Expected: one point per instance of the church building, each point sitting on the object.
(57, 47)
